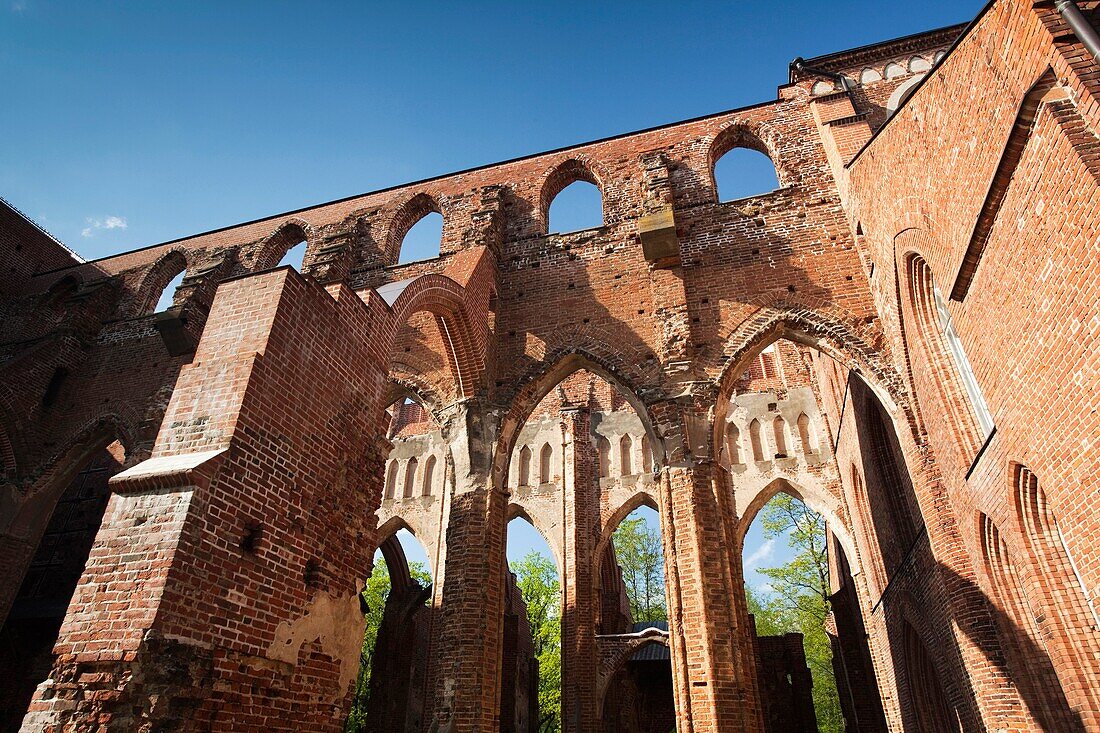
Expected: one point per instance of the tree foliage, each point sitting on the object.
(374, 595)
(537, 578)
(638, 551)
(798, 598)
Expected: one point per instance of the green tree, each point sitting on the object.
(537, 578)
(374, 595)
(638, 551)
(798, 599)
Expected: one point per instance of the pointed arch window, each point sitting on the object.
(626, 462)
(647, 456)
(756, 440)
(805, 435)
(546, 464)
(410, 478)
(733, 444)
(391, 480)
(524, 477)
(429, 475)
(603, 448)
(779, 432)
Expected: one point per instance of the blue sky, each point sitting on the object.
(140, 122)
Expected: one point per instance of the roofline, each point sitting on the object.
(42, 229)
(912, 93)
(837, 55)
(430, 179)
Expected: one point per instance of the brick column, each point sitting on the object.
(471, 615)
(581, 497)
(714, 669)
(228, 565)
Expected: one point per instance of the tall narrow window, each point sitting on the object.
(981, 410)
(546, 464)
(603, 447)
(626, 464)
(804, 434)
(779, 430)
(647, 456)
(756, 440)
(524, 477)
(951, 369)
(391, 480)
(410, 478)
(168, 295)
(733, 444)
(429, 475)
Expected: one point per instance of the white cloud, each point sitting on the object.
(760, 554)
(107, 222)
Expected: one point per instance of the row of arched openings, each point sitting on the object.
(769, 439)
(414, 477)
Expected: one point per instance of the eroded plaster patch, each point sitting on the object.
(336, 622)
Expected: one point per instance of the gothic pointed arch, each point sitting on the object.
(287, 234)
(167, 267)
(563, 174)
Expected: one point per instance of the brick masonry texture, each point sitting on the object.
(904, 335)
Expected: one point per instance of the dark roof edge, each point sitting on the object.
(936, 67)
(825, 59)
(40, 228)
(430, 179)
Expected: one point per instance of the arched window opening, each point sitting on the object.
(756, 440)
(546, 464)
(294, 256)
(779, 431)
(647, 456)
(168, 295)
(1025, 645)
(788, 590)
(423, 240)
(429, 476)
(410, 478)
(534, 594)
(733, 444)
(940, 339)
(869, 76)
(578, 206)
(634, 570)
(395, 655)
(626, 463)
(744, 172)
(894, 70)
(805, 435)
(603, 447)
(391, 480)
(524, 477)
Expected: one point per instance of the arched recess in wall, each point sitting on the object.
(58, 523)
(741, 165)
(540, 385)
(60, 291)
(546, 464)
(891, 507)
(626, 457)
(1056, 588)
(416, 231)
(412, 467)
(636, 692)
(926, 692)
(524, 475)
(949, 373)
(572, 198)
(1028, 653)
(902, 93)
(158, 289)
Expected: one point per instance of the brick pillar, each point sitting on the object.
(228, 565)
(714, 667)
(472, 610)
(581, 496)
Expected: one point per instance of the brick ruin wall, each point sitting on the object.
(921, 288)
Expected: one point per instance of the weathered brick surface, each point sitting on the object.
(259, 401)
